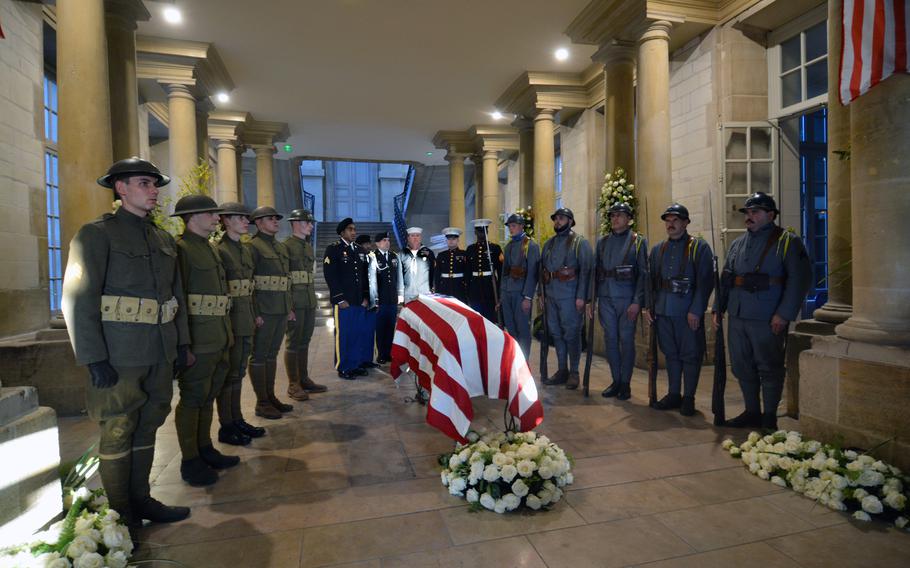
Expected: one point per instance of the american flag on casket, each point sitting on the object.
(457, 354)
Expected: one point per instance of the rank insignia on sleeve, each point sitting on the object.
(327, 260)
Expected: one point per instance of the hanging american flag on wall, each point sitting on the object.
(457, 354)
(876, 44)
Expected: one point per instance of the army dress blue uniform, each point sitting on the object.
(345, 269)
(521, 259)
(621, 269)
(386, 288)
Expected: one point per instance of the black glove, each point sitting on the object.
(104, 376)
(182, 364)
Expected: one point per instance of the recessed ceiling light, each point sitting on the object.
(429, 153)
(496, 115)
(223, 97)
(172, 15)
(561, 54)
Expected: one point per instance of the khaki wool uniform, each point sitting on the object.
(302, 262)
(210, 337)
(237, 261)
(120, 293)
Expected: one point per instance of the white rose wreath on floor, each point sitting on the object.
(503, 471)
(842, 480)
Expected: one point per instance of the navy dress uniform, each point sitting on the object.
(767, 273)
(451, 268)
(386, 292)
(682, 280)
(521, 259)
(417, 269)
(345, 267)
(621, 269)
(484, 271)
(565, 265)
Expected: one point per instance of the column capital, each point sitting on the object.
(659, 29)
(225, 144)
(263, 149)
(179, 91)
(616, 51)
(545, 114)
(490, 154)
(523, 123)
(453, 156)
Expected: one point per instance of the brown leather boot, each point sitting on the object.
(557, 378)
(264, 406)
(295, 390)
(271, 367)
(304, 373)
(572, 381)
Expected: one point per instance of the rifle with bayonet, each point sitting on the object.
(720, 355)
(493, 278)
(651, 300)
(545, 336)
(592, 296)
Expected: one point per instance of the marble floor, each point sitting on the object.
(349, 478)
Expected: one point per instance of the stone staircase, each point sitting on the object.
(325, 235)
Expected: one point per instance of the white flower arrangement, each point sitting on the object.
(90, 536)
(616, 189)
(842, 480)
(503, 471)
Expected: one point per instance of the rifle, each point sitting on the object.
(720, 355)
(496, 309)
(593, 296)
(545, 337)
(651, 299)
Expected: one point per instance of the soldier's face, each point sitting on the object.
(619, 222)
(675, 226)
(384, 245)
(349, 233)
(452, 242)
(515, 229)
(204, 222)
(138, 194)
(305, 228)
(560, 221)
(239, 224)
(414, 241)
(758, 218)
(268, 225)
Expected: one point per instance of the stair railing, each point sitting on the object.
(309, 203)
(399, 225)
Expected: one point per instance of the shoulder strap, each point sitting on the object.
(775, 235)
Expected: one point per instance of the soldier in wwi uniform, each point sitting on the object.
(521, 260)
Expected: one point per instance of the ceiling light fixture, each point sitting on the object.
(429, 153)
(223, 97)
(172, 15)
(561, 54)
(496, 115)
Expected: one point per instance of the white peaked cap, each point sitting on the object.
(478, 223)
(415, 231)
(452, 231)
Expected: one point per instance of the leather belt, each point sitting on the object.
(137, 310)
(271, 283)
(740, 281)
(454, 275)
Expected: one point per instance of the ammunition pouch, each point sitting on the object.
(756, 281)
(240, 288)
(677, 285)
(624, 272)
(137, 310)
(301, 277)
(564, 274)
(517, 272)
(208, 305)
(271, 283)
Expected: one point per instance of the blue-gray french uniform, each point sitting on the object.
(683, 278)
(519, 282)
(345, 268)
(766, 272)
(621, 269)
(566, 262)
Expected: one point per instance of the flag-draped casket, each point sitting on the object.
(457, 354)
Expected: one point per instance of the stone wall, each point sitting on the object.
(23, 228)
(583, 162)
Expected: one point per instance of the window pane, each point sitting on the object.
(816, 41)
(791, 89)
(789, 54)
(736, 177)
(761, 177)
(817, 79)
(733, 218)
(761, 143)
(735, 143)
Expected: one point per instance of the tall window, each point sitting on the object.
(557, 184)
(798, 65)
(51, 171)
(813, 166)
(749, 165)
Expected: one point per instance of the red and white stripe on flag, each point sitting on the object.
(457, 354)
(876, 44)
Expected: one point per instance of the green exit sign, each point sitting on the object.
(288, 148)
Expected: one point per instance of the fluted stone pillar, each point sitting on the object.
(619, 107)
(653, 171)
(84, 139)
(525, 162)
(491, 208)
(840, 239)
(880, 182)
(182, 144)
(544, 175)
(265, 178)
(477, 160)
(124, 90)
(456, 192)
(226, 183)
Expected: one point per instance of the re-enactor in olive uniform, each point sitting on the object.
(207, 304)
(238, 270)
(123, 305)
(303, 295)
(521, 261)
(452, 267)
(766, 276)
(273, 308)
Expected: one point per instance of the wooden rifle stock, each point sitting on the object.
(592, 295)
(545, 335)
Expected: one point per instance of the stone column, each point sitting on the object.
(619, 106)
(203, 108)
(265, 179)
(181, 106)
(544, 175)
(124, 91)
(456, 192)
(227, 186)
(879, 179)
(477, 160)
(491, 208)
(85, 118)
(238, 160)
(653, 157)
(525, 162)
(840, 240)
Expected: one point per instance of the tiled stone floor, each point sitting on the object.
(349, 478)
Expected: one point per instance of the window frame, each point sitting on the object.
(776, 38)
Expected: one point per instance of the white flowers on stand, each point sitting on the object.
(502, 471)
(842, 480)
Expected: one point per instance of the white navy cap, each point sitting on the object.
(480, 223)
(415, 231)
(452, 232)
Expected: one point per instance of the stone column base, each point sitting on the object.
(799, 340)
(858, 394)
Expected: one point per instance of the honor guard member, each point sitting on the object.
(683, 278)
(452, 267)
(237, 261)
(302, 261)
(123, 305)
(386, 292)
(565, 267)
(417, 266)
(484, 271)
(345, 269)
(621, 268)
(208, 308)
(273, 307)
(368, 341)
(521, 260)
(766, 276)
